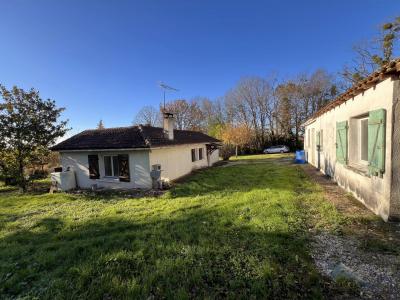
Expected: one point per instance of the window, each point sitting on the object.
(358, 142)
(364, 140)
(200, 153)
(308, 138)
(193, 155)
(111, 166)
(93, 167)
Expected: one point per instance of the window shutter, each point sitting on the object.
(376, 142)
(341, 142)
(93, 166)
(321, 139)
(318, 142)
(123, 166)
(193, 155)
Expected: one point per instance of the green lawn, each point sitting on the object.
(227, 232)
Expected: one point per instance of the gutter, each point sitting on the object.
(133, 149)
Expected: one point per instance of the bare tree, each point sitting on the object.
(373, 54)
(188, 114)
(148, 115)
(251, 103)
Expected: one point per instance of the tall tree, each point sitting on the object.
(251, 103)
(188, 114)
(148, 115)
(214, 115)
(373, 54)
(238, 136)
(28, 126)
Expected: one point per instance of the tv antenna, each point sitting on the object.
(166, 88)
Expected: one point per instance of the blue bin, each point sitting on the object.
(300, 157)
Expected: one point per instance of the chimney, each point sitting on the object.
(168, 122)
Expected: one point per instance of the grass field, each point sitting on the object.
(227, 232)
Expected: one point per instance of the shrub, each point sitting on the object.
(226, 151)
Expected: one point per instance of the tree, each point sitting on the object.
(100, 125)
(188, 115)
(251, 103)
(214, 115)
(300, 98)
(148, 115)
(28, 126)
(238, 136)
(371, 55)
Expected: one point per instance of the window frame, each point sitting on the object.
(113, 159)
(193, 154)
(362, 143)
(356, 144)
(201, 157)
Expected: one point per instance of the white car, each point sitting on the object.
(277, 149)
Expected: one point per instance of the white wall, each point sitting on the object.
(373, 191)
(138, 167)
(176, 161)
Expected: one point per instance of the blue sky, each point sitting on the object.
(103, 59)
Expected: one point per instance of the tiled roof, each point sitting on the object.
(130, 138)
(389, 70)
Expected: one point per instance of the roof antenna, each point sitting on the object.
(165, 88)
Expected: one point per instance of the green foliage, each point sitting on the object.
(228, 232)
(29, 125)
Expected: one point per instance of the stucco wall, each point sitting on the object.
(138, 167)
(177, 161)
(373, 191)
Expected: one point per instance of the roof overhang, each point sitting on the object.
(136, 149)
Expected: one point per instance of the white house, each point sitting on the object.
(124, 157)
(356, 141)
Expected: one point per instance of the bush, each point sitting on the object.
(226, 151)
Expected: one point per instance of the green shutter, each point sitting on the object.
(341, 142)
(376, 142)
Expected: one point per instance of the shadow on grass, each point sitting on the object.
(197, 254)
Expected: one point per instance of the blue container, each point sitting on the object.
(300, 157)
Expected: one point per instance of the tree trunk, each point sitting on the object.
(22, 181)
(236, 151)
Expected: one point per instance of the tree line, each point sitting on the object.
(262, 111)
(255, 113)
